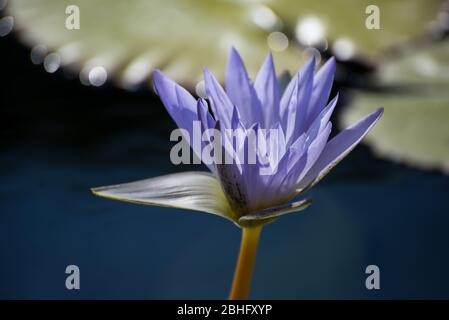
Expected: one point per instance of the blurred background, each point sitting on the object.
(78, 111)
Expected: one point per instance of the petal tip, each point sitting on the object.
(234, 57)
(157, 75)
(97, 191)
(375, 115)
(233, 51)
(309, 68)
(160, 80)
(312, 61)
(235, 65)
(269, 57)
(157, 71)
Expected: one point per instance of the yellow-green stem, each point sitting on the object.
(245, 263)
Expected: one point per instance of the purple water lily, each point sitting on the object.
(238, 192)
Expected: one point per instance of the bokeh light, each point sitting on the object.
(98, 76)
(310, 31)
(264, 17)
(313, 52)
(6, 25)
(277, 41)
(52, 62)
(200, 89)
(38, 54)
(343, 49)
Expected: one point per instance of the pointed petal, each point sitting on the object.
(300, 162)
(241, 91)
(275, 212)
(207, 122)
(322, 85)
(338, 148)
(230, 175)
(286, 95)
(278, 144)
(199, 191)
(315, 149)
(290, 164)
(251, 167)
(181, 106)
(321, 121)
(179, 102)
(296, 162)
(316, 129)
(289, 116)
(237, 137)
(294, 116)
(220, 104)
(267, 89)
(235, 119)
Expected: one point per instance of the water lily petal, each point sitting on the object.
(219, 101)
(267, 89)
(322, 85)
(207, 122)
(236, 138)
(288, 89)
(230, 176)
(286, 94)
(199, 191)
(275, 212)
(241, 91)
(291, 164)
(321, 121)
(302, 159)
(294, 112)
(179, 102)
(251, 168)
(315, 149)
(338, 148)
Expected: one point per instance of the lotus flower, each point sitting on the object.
(238, 191)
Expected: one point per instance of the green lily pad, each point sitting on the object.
(414, 128)
(131, 38)
(400, 20)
